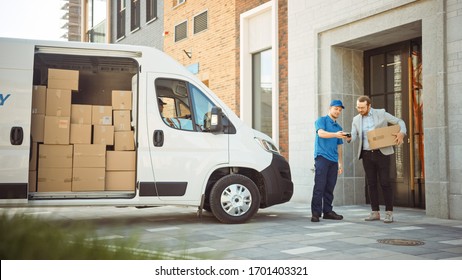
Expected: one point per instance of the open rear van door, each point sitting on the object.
(16, 76)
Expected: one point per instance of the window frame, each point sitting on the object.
(207, 22)
(121, 13)
(151, 10)
(134, 15)
(186, 31)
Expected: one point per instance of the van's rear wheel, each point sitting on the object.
(234, 199)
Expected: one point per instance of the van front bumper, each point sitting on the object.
(279, 187)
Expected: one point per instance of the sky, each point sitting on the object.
(32, 19)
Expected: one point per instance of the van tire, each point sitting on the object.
(234, 199)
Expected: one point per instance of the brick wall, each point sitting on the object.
(242, 7)
(283, 80)
(214, 49)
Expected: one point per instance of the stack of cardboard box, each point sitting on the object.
(89, 167)
(55, 154)
(37, 124)
(120, 163)
(80, 147)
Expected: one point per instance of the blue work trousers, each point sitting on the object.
(325, 179)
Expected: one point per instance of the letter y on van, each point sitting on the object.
(3, 98)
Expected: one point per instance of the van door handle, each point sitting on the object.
(16, 135)
(158, 138)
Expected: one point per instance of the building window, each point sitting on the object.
(121, 7)
(200, 22)
(96, 21)
(262, 92)
(134, 14)
(151, 10)
(181, 31)
(176, 3)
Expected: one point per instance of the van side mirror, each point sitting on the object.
(214, 120)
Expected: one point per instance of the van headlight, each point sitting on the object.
(267, 145)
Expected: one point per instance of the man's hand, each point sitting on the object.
(399, 138)
(340, 168)
(340, 134)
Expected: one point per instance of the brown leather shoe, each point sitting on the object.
(332, 216)
(315, 218)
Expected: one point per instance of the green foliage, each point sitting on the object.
(26, 238)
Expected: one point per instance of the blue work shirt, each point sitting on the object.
(327, 147)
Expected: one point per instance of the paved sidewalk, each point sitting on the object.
(281, 232)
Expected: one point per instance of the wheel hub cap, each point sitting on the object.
(236, 200)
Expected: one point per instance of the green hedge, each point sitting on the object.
(25, 238)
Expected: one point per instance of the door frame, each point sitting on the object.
(403, 187)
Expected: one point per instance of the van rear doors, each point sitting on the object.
(15, 105)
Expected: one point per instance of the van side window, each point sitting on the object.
(201, 107)
(182, 105)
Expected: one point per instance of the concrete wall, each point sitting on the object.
(327, 41)
(453, 67)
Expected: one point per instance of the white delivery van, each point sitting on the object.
(94, 124)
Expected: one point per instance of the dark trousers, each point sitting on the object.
(377, 164)
(325, 179)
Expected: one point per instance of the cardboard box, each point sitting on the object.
(120, 160)
(382, 137)
(39, 98)
(34, 157)
(121, 100)
(63, 79)
(88, 179)
(38, 127)
(81, 114)
(122, 120)
(124, 141)
(33, 181)
(57, 130)
(58, 102)
(63, 74)
(103, 134)
(54, 180)
(120, 181)
(80, 133)
(101, 115)
(59, 156)
(89, 155)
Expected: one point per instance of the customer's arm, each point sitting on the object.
(402, 131)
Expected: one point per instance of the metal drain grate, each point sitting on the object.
(401, 242)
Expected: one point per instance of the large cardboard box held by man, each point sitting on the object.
(382, 137)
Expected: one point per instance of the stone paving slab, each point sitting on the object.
(279, 232)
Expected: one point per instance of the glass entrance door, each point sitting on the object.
(388, 76)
